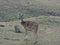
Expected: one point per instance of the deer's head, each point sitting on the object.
(21, 17)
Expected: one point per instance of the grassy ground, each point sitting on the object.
(48, 32)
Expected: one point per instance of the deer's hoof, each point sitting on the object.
(35, 43)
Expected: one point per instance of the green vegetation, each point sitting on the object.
(10, 9)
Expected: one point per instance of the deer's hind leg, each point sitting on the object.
(35, 38)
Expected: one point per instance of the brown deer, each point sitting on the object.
(30, 26)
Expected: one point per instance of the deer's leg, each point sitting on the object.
(25, 35)
(35, 38)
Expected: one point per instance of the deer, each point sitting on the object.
(29, 26)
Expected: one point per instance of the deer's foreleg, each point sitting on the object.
(25, 35)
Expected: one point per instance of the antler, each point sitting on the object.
(21, 15)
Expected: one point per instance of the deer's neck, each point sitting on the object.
(23, 22)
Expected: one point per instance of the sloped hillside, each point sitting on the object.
(9, 9)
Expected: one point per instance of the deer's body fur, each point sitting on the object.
(29, 25)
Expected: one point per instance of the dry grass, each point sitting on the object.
(47, 34)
